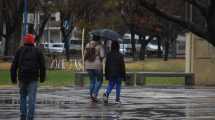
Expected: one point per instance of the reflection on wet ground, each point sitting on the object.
(148, 103)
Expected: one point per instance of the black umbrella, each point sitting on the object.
(107, 34)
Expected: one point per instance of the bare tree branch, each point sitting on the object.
(12, 16)
(41, 29)
(44, 8)
(124, 19)
(203, 10)
(186, 24)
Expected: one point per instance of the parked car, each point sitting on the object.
(125, 48)
(75, 46)
(125, 44)
(52, 47)
(152, 48)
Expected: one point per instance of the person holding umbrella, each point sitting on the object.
(114, 71)
(93, 57)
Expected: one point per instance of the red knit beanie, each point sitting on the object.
(29, 39)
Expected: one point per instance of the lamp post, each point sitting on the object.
(25, 24)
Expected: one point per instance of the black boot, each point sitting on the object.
(118, 101)
(30, 118)
(105, 98)
(94, 98)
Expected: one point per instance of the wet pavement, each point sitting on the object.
(147, 103)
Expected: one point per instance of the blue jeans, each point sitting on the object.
(28, 99)
(96, 80)
(114, 81)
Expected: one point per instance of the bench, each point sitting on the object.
(189, 77)
(138, 78)
(79, 78)
(6, 58)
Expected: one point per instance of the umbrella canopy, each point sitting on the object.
(107, 34)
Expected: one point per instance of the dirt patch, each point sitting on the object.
(4, 65)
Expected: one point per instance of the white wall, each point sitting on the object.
(200, 59)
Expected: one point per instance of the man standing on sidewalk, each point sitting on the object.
(29, 63)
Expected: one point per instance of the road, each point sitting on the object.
(146, 103)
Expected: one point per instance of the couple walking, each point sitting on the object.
(114, 68)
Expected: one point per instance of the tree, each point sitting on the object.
(86, 13)
(109, 17)
(38, 7)
(11, 13)
(206, 8)
(150, 27)
(128, 12)
(77, 13)
(11, 18)
(66, 23)
(138, 21)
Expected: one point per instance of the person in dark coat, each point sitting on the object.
(27, 68)
(114, 71)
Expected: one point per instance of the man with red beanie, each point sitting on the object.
(29, 39)
(28, 67)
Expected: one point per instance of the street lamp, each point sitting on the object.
(25, 26)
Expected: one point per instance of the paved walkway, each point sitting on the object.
(137, 104)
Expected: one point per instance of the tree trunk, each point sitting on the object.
(1, 38)
(173, 47)
(11, 44)
(12, 41)
(142, 52)
(133, 42)
(66, 46)
(159, 48)
(166, 54)
(143, 48)
(7, 50)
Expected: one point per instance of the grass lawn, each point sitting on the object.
(54, 78)
(4, 77)
(157, 65)
(164, 81)
(58, 78)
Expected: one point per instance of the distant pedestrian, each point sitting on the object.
(114, 71)
(28, 66)
(94, 54)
